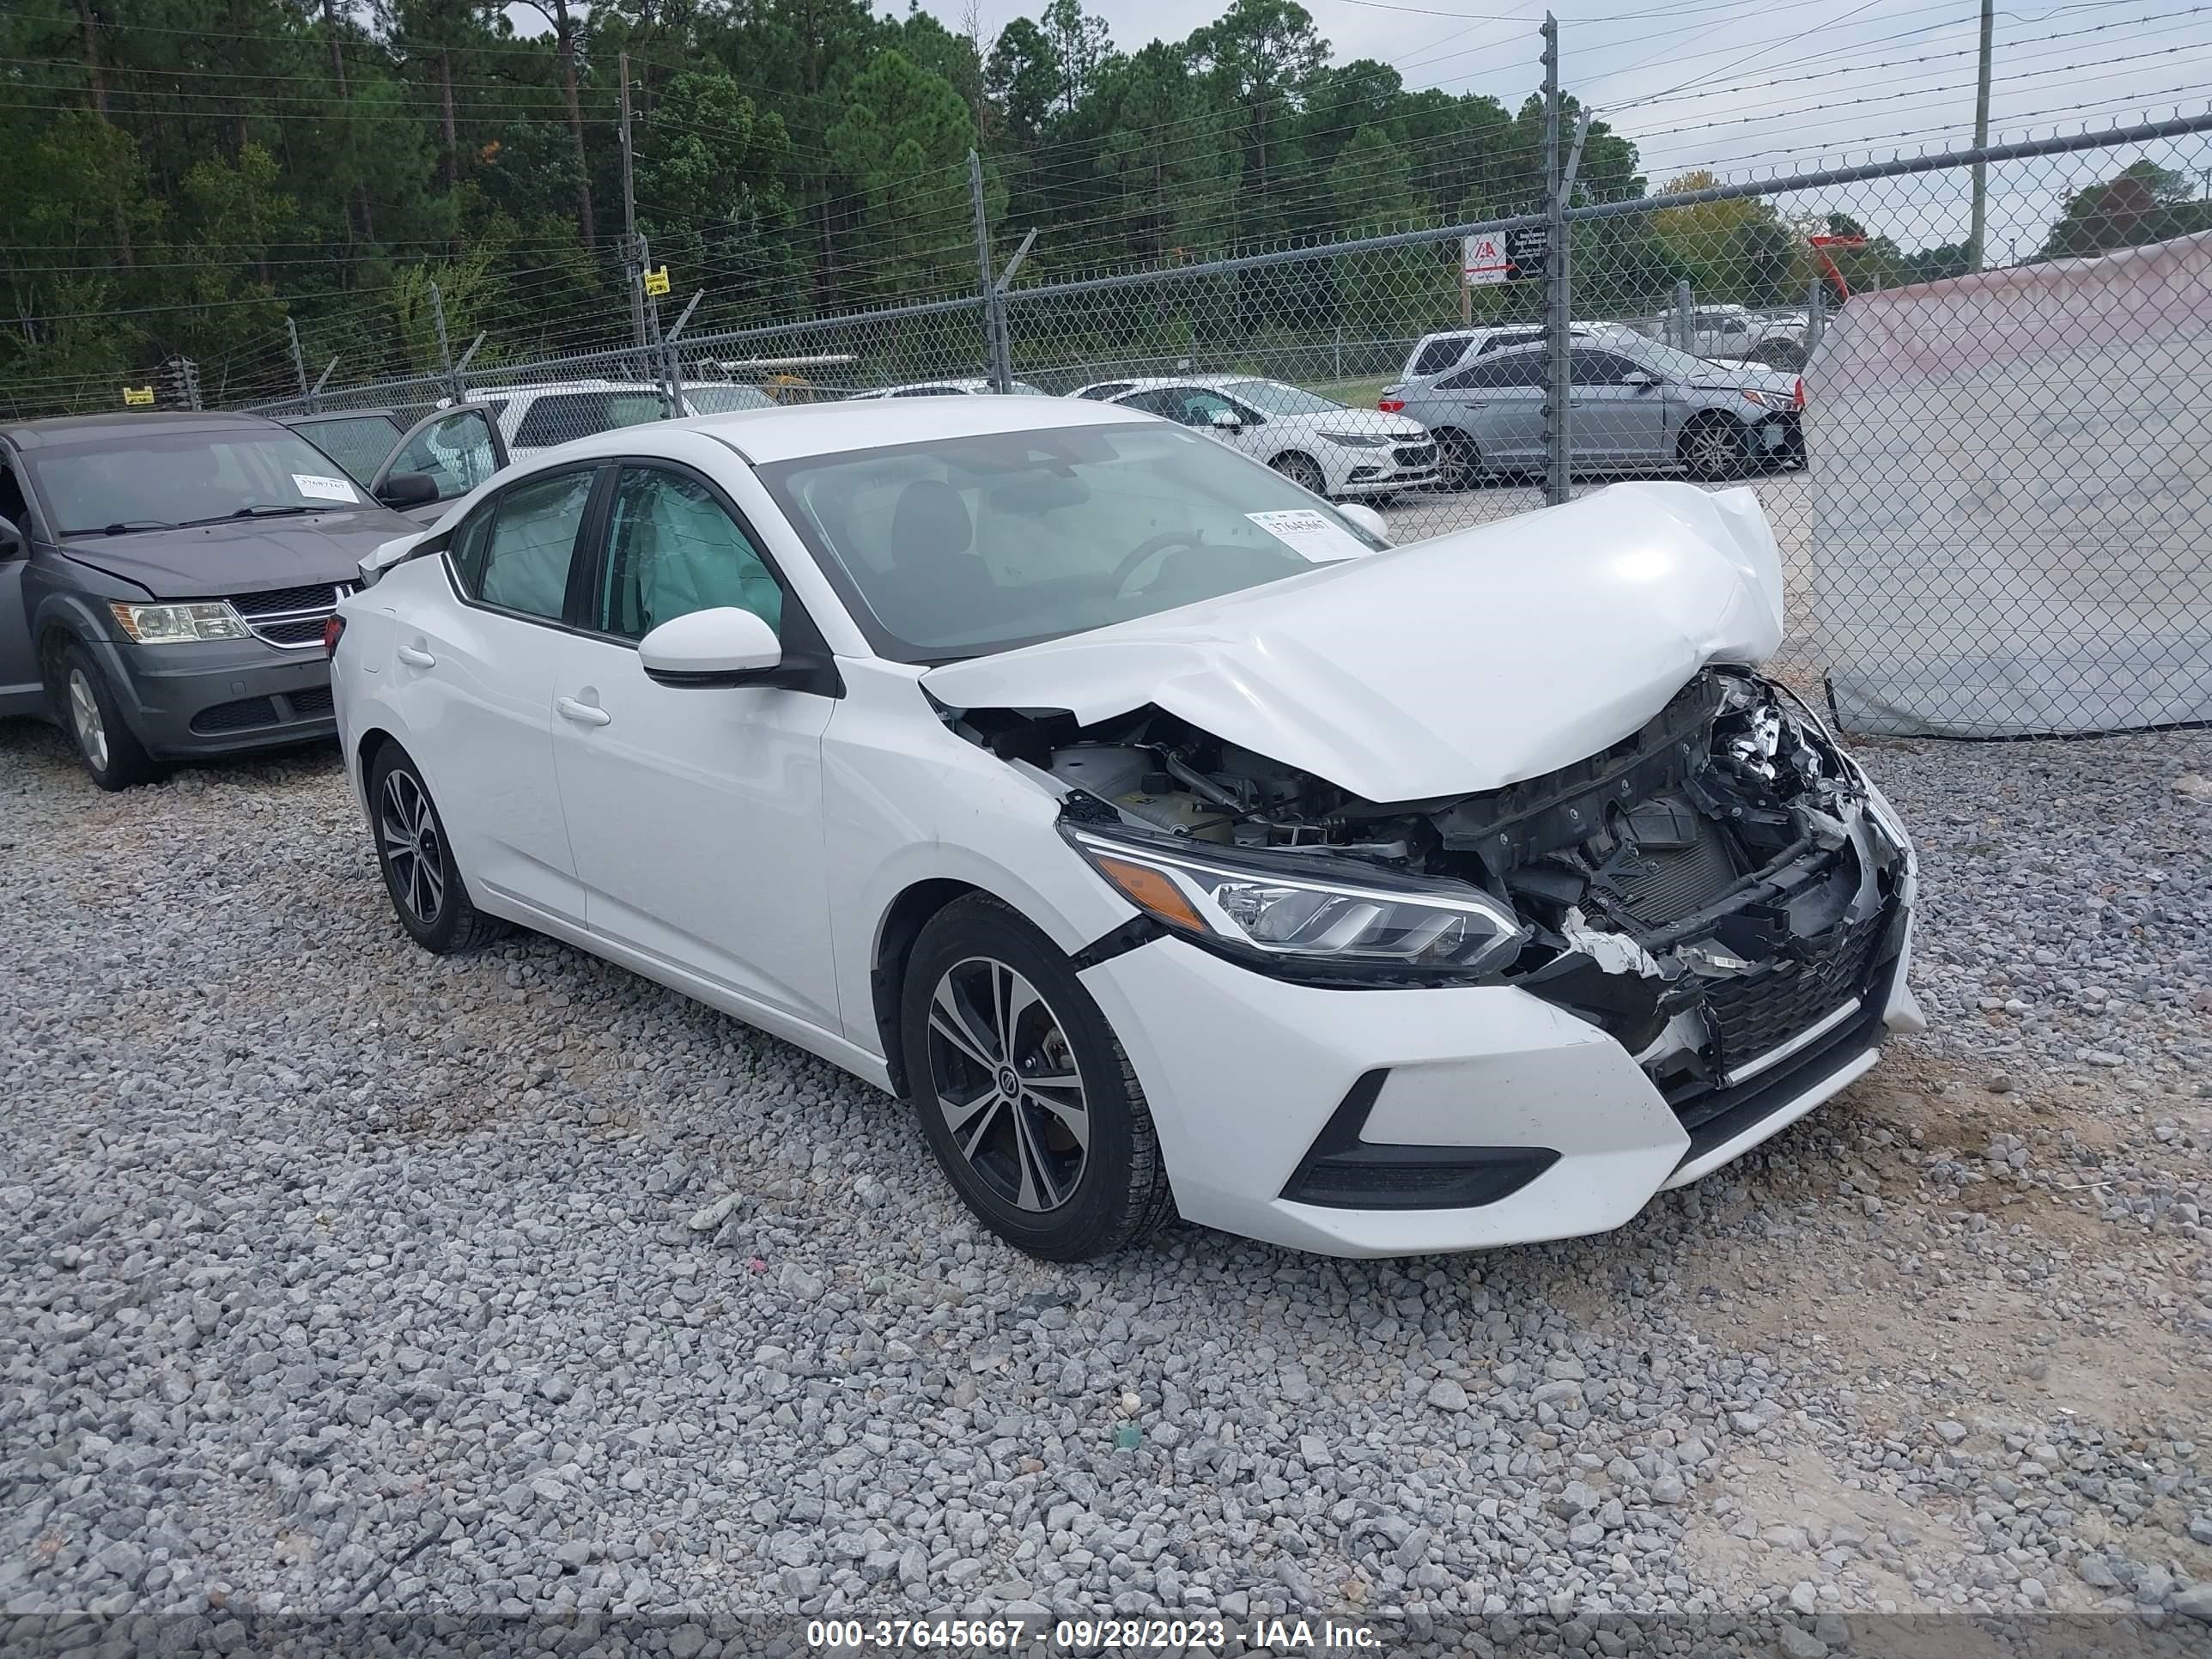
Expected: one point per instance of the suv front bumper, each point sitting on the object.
(219, 697)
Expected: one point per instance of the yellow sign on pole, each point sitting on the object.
(656, 282)
(138, 394)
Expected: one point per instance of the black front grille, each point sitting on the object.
(240, 716)
(1761, 1011)
(313, 703)
(292, 630)
(1415, 454)
(277, 600)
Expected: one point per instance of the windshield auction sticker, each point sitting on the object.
(315, 487)
(1310, 535)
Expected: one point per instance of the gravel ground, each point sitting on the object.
(347, 1278)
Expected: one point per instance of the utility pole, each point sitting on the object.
(1975, 238)
(1558, 435)
(633, 253)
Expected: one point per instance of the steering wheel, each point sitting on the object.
(1159, 544)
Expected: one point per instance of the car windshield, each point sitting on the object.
(960, 547)
(358, 443)
(1665, 360)
(1274, 397)
(152, 480)
(724, 399)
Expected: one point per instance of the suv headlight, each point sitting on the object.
(178, 625)
(1359, 440)
(1333, 924)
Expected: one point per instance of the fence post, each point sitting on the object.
(445, 348)
(1558, 298)
(299, 363)
(1685, 336)
(672, 363)
(1816, 316)
(995, 342)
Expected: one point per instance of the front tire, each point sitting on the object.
(1301, 471)
(1715, 449)
(104, 741)
(1026, 1095)
(420, 875)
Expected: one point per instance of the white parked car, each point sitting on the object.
(951, 389)
(1321, 445)
(1167, 840)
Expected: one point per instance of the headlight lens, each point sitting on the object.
(1317, 921)
(177, 624)
(1359, 439)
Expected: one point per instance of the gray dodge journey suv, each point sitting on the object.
(165, 580)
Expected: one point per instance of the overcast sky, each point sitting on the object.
(1745, 85)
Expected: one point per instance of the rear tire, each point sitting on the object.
(420, 876)
(1024, 1093)
(1459, 462)
(86, 705)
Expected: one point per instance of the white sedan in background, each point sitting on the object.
(1169, 841)
(1325, 446)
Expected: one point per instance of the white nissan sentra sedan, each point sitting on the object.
(1171, 843)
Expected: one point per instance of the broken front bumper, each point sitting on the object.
(1397, 1122)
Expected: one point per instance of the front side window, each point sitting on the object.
(963, 546)
(156, 479)
(13, 506)
(455, 453)
(559, 417)
(515, 551)
(1600, 368)
(671, 550)
(358, 443)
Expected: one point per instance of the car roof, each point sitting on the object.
(336, 414)
(1212, 382)
(75, 428)
(792, 431)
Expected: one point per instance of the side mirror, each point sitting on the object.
(11, 539)
(724, 646)
(401, 490)
(1225, 420)
(1639, 380)
(1367, 518)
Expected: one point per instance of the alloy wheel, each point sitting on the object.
(413, 850)
(1004, 1076)
(84, 716)
(1714, 452)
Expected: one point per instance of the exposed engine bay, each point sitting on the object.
(1708, 889)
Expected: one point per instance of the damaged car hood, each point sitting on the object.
(1462, 663)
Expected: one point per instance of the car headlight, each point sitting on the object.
(1357, 925)
(1359, 439)
(177, 624)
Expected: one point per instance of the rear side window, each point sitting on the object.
(1439, 356)
(561, 416)
(1501, 342)
(516, 551)
(1104, 390)
(1524, 368)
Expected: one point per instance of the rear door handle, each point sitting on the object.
(583, 714)
(416, 657)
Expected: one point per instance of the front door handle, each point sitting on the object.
(414, 657)
(583, 714)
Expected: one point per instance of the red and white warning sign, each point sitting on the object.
(1482, 260)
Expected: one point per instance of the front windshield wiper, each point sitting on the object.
(260, 510)
(124, 528)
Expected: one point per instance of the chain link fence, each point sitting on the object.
(1968, 389)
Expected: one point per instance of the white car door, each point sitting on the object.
(472, 670)
(696, 812)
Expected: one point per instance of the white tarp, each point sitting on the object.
(2012, 484)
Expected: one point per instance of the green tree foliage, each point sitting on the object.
(184, 176)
